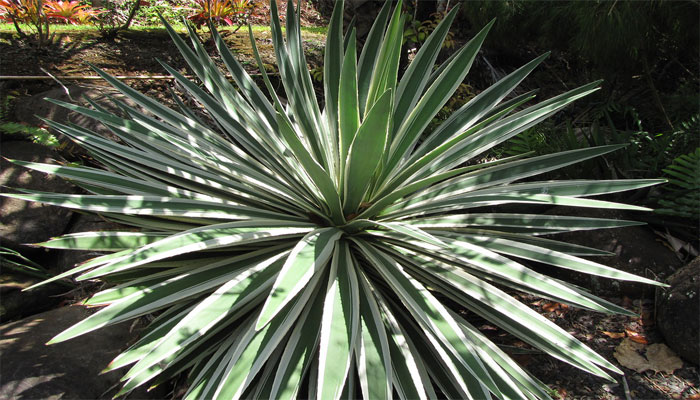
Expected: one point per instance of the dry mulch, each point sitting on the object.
(604, 333)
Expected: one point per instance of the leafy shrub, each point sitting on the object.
(38, 14)
(118, 15)
(218, 12)
(171, 10)
(73, 12)
(29, 12)
(416, 32)
(20, 11)
(289, 251)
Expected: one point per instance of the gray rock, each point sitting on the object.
(67, 259)
(23, 222)
(68, 370)
(18, 304)
(678, 312)
(636, 250)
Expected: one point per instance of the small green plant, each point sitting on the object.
(36, 134)
(532, 140)
(416, 32)
(172, 10)
(289, 251)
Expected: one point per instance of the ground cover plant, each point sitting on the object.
(288, 250)
(219, 12)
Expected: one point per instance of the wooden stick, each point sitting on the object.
(80, 77)
(95, 77)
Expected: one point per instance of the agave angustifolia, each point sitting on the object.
(291, 251)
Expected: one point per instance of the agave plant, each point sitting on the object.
(288, 250)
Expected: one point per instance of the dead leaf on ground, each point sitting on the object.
(636, 336)
(558, 309)
(659, 358)
(663, 359)
(627, 354)
(614, 335)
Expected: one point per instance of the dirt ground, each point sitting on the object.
(604, 334)
(135, 53)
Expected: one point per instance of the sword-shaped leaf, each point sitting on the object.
(102, 241)
(207, 237)
(339, 324)
(306, 259)
(365, 153)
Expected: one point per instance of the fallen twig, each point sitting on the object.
(97, 77)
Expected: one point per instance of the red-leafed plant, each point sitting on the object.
(72, 12)
(38, 14)
(219, 12)
(26, 12)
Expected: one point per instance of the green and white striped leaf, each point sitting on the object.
(297, 356)
(516, 318)
(529, 223)
(375, 370)
(547, 256)
(305, 261)
(150, 205)
(149, 299)
(435, 97)
(365, 153)
(429, 313)
(102, 241)
(208, 237)
(209, 313)
(368, 57)
(348, 104)
(339, 325)
(260, 343)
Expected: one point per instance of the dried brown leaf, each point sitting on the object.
(628, 355)
(659, 358)
(614, 335)
(636, 336)
(663, 359)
